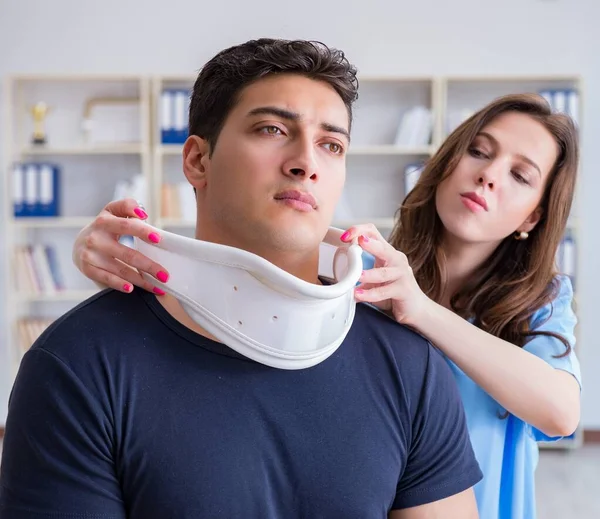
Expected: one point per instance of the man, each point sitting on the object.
(125, 407)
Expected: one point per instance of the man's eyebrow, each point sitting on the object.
(294, 116)
(336, 129)
(522, 157)
(273, 110)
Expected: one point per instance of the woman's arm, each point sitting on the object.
(99, 256)
(522, 383)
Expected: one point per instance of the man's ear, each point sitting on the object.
(531, 221)
(196, 161)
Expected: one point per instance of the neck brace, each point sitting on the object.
(256, 308)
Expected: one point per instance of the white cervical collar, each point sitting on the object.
(256, 308)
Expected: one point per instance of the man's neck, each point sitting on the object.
(303, 265)
(173, 307)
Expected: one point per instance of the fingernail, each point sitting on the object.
(158, 291)
(345, 236)
(140, 213)
(162, 276)
(127, 287)
(153, 237)
(364, 238)
(359, 291)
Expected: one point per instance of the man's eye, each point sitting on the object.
(271, 130)
(334, 147)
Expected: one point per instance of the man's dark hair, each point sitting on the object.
(218, 86)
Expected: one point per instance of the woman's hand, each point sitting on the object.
(390, 284)
(98, 254)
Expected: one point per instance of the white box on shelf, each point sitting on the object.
(112, 121)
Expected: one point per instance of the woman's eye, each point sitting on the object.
(520, 178)
(477, 153)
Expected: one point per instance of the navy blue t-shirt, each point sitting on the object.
(118, 410)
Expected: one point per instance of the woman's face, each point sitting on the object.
(498, 184)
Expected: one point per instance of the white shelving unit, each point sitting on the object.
(86, 128)
(168, 171)
(376, 163)
(167, 158)
(380, 151)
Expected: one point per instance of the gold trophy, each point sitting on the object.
(39, 112)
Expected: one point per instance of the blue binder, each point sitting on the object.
(174, 106)
(36, 190)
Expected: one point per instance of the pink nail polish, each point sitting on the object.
(140, 213)
(364, 238)
(359, 291)
(158, 291)
(162, 276)
(153, 237)
(344, 236)
(127, 287)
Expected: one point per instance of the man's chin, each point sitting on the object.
(301, 238)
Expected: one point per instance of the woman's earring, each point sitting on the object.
(521, 235)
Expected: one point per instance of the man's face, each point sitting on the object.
(277, 170)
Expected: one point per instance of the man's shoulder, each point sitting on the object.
(411, 352)
(106, 306)
(370, 323)
(93, 323)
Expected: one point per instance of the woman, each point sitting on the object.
(478, 236)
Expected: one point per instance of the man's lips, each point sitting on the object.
(301, 198)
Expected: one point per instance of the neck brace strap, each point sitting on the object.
(256, 308)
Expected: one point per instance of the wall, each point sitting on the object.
(426, 37)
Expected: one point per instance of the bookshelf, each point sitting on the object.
(172, 195)
(97, 135)
(399, 122)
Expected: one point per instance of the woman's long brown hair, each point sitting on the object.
(520, 276)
